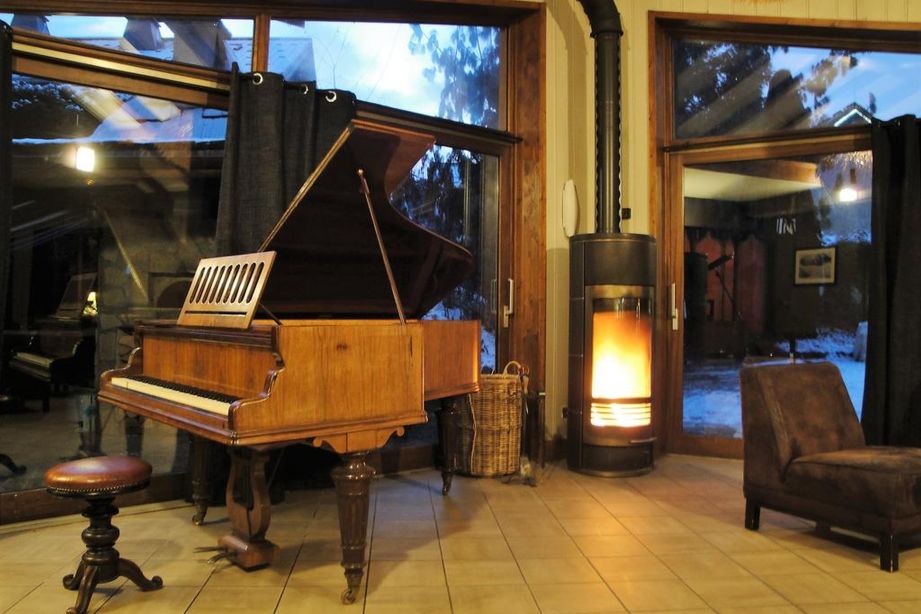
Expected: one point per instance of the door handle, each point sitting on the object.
(673, 306)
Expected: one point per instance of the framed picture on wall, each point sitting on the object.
(814, 266)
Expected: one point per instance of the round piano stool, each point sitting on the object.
(98, 480)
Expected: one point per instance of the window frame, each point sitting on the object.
(670, 154)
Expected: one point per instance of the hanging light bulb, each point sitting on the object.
(85, 159)
(848, 193)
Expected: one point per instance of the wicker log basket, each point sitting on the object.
(491, 431)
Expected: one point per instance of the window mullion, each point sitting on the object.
(261, 42)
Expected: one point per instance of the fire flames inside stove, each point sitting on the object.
(621, 383)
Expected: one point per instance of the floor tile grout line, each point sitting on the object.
(515, 558)
(369, 540)
(21, 599)
(444, 568)
(197, 593)
(284, 586)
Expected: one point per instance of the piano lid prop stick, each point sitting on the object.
(380, 244)
(269, 313)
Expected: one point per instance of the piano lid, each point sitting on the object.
(329, 262)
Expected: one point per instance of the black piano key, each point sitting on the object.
(206, 394)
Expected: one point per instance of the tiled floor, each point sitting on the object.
(669, 541)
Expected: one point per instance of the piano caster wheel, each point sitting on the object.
(198, 519)
(348, 596)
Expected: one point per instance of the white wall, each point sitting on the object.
(570, 123)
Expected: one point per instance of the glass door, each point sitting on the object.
(771, 259)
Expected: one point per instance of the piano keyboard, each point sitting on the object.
(34, 359)
(207, 400)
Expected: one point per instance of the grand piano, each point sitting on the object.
(62, 348)
(334, 354)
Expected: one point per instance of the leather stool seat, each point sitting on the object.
(98, 476)
(98, 480)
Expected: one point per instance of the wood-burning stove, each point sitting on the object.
(611, 323)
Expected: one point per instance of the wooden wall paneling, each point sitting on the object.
(634, 121)
(847, 9)
(529, 237)
(794, 8)
(669, 5)
(822, 9)
(695, 6)
(913, 12)
(897, 10)
(767, 8)
(744, 7)
(719, 7)
(873, 10)
(560, 15)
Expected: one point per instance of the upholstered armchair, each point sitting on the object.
(805, 455)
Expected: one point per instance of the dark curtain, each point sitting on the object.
(277, 133)
(6, 169)
(892, 396)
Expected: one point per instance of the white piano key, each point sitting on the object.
(175, 396)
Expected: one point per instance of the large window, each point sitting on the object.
(438, 70)
(730, 87)
(775, 269)
(117, 164)
(455, 193)
(114, 203)
(767, 207)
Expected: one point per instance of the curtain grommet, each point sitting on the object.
(257, 78)
(331, 96)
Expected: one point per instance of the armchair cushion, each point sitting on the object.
(880, 480)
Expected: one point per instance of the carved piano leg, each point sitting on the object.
(201, 477)
(353, 485)
(449, 436)
(249, 509)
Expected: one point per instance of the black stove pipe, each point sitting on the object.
(604, 19)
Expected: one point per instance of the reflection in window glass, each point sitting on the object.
(439, 70)
(734, 88)
(114, 203)
(775, 267)
(215, 43)
(455, 193)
